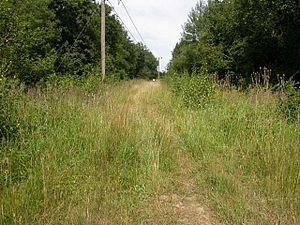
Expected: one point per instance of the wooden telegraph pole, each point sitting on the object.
(158, 67)
(103, 39)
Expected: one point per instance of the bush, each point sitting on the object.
(88, 83)
(63, 82)
(291, 105)
(196, 91)
(175, 82)
(10, 97)
(290, 102)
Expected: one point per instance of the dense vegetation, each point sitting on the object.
(235, 71)
(241, 37)
(75, 150)
(245, 153)
(133, 153)
(73, 158)
(41, 38)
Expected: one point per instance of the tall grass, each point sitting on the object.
(77, 157)
(76, 154)
(246, 155)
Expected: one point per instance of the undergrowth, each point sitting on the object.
(195, 90)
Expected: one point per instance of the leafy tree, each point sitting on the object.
(30, 32)
(78, 45)
(44, 37)
(240, 36)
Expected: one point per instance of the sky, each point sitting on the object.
(158, 21)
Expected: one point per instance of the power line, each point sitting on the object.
(89, 21)
(132, 21)
(122, 21)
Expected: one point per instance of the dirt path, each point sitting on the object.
(179, 201)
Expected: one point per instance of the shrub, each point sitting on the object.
(175, 82)
(290, 103)
(63, 82)
(196, 91)
(10, 96)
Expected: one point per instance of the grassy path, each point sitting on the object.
(131, 154)
(178, 201)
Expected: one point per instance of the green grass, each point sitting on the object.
(246, 155)
(105, 157)
(79, 158)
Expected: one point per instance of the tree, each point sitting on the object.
(28, 43)
(79, 27)
(240, 36)
(44, 37)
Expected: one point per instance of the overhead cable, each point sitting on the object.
(122, 21)
(132, 21)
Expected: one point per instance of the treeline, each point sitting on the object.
(240, 37)
(41, 38)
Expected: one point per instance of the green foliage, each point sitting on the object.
(10, 119)
(246, 156)
(118, 148)
(290, 104)
(196, 91)
(79, 53)
(78, 152)
(240, 36)
(29, 32)
(39, 39)
(78, 45)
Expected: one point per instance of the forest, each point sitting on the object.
(42, 38)
(241, 37)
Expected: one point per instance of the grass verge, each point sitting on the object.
(246, 156)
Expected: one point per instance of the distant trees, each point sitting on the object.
(240, 36)
(39, 38)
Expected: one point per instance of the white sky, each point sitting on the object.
(159, 22)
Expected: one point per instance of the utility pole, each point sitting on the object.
(103, 39)
(158, 67)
